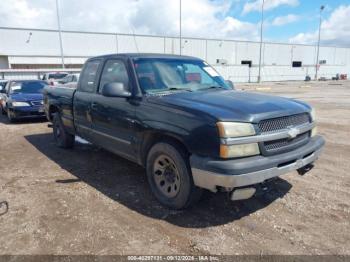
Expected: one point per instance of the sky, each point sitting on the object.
(290, 21)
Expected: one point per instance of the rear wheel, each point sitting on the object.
(170, 177)
(3, 110)
(62, 138)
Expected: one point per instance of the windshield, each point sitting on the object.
(31, 87)
(57, 75)
(168, 75)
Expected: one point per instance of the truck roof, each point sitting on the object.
(146, 55)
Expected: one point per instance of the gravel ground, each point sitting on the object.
(89, 201)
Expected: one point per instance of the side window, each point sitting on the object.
(88, 76)
(114, 71)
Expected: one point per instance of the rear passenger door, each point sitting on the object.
(82, 98)
(113, 117)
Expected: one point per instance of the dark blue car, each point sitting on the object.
(23, 99)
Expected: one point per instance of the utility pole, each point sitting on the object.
(318, 43)
(180, 28)
(261, 39)
(59, 33)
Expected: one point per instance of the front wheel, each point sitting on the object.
(62, 138)
(9, 116)
(170, 177)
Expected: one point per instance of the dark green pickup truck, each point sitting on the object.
(177, 117)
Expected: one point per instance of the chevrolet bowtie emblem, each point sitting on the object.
(293, 132)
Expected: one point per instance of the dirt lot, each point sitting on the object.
(88, 201)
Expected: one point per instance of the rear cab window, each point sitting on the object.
(89, 77)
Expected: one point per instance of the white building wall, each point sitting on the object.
(220, 49)
(77, 44)
(19, 42)
(303, 53)
(194, 47)
(277, 54)
(247, 51)
(42, 47)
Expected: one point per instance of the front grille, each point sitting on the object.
(37, 103)
(280, 123)
(285, 143)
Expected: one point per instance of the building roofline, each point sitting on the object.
(164, 36)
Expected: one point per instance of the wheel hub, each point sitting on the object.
(166, 176)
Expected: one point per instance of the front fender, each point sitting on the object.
(167, 129)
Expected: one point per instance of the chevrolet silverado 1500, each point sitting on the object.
(178, 118)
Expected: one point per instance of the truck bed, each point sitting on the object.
(59, 99)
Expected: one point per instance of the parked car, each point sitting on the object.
(70, 80)
(2, 87)
(176, 116)
(53, 77)
(23, 99)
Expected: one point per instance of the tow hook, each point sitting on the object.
(302, 171)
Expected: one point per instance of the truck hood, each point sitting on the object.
(229, 105)
(24, 97)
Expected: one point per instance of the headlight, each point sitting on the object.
(20, 104)
(239, 150)
(314, 131)
(313, 115)
(235, 129)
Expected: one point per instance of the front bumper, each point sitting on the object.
(27, 112)
(212, 173)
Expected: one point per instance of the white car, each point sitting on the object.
(70, 80)
(53, 77)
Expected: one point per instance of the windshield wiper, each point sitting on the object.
(215, 87)
(212, 87)
(178, 88)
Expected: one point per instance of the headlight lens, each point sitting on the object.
(314, 131)
(239, 150)
(235, 129)
(313, 115)
(20, 104)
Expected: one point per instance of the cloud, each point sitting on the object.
(21, 13)
(269, 5)
(334, 30)
(283, 20)
(201, 18)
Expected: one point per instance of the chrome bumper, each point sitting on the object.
(279, 165)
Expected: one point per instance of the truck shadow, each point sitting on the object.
(126, 183)
(4, 120)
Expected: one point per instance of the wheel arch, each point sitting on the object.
(153, 137)
(52, 110)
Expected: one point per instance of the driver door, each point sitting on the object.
(113, 118)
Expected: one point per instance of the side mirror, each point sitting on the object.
(230, 84)
(2, 91)
(115, 89)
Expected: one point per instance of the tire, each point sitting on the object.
(3, 112)
(169, 176)
(9, 117)
(62, 138)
